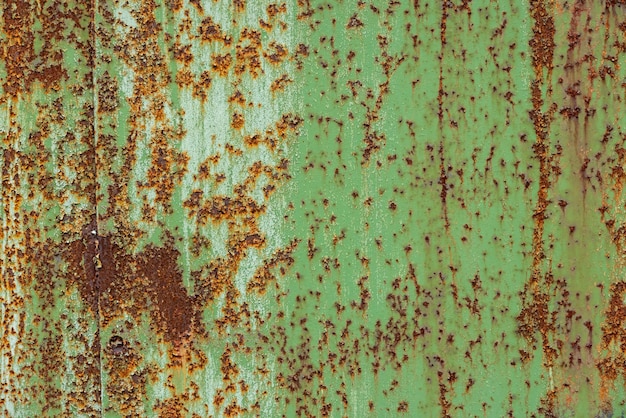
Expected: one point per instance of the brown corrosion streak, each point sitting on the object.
(612, 332)
(534, 317)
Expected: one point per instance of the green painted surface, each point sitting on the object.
(313, 209)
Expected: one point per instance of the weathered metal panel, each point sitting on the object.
(313, 208)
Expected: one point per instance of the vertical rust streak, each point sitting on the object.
(444, 402)
(535, 315)
(94, 248)
(441, 94)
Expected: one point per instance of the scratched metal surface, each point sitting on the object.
(308, 208)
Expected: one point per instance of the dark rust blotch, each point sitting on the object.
(147, 281)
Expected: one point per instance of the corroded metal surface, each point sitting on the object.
(310, 208)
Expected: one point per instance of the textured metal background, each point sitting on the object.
(310, 208)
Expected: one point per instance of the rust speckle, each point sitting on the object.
(265, 275)
(107, 93)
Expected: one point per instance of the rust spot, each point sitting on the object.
(237, 121)
(240, 5)
(248, 58)
(147, 281)
(403, 407)
(237, 98)
(201, 87)
(182, 53)
(197, 5)
(274, 9)
(354, 22)
(221, 64)
(211, 31)
(277, 54)
(171, 408)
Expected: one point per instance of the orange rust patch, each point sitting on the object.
(274, 10)
(182, 53)
(171, 408)
(280, 83)
(184, 77)
(248, 57)
(240, 5)
(107, 93)
(542, 42)
(237, 98)
(211, 31)
(277, 53)
(221, 64)
(237, 121)
(225, 207)
(202, 86)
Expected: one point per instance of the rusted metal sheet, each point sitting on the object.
(311, 208)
